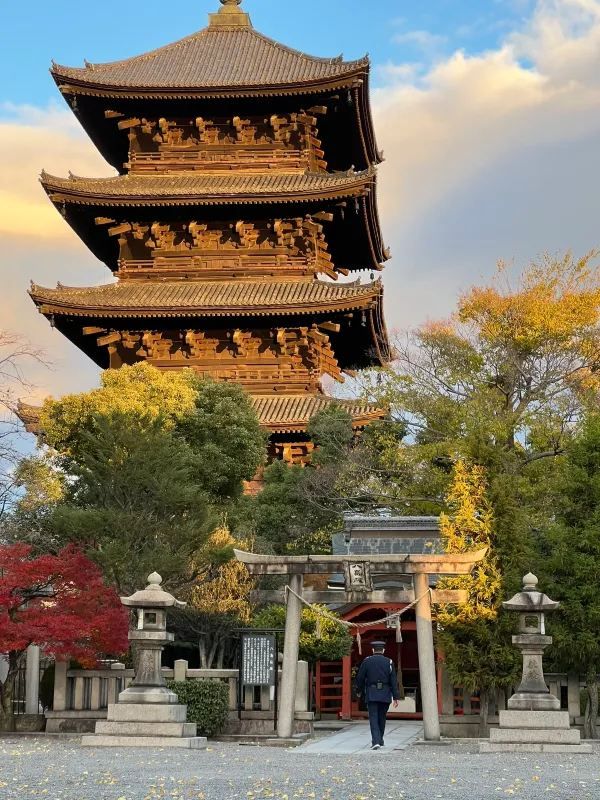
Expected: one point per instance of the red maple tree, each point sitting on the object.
(60, 603)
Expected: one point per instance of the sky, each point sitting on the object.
(488, 112)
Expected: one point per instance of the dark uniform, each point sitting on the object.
(378, 684)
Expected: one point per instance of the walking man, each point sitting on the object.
(378, 684)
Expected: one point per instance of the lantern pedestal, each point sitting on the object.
(534, 722)
(148, 714)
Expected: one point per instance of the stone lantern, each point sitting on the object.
(532, 606)
(533, 722)
(148, 714)
(150, 635)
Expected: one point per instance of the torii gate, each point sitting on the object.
(358, 573)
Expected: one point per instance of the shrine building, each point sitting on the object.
(236, 229)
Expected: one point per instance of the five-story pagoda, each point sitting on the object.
(246, 189)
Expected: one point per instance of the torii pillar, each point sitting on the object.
(358, 571)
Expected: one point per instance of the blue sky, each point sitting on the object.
(488, 112)
(34, 32)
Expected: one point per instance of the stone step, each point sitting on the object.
(513, 747)
(556, 720)
(189, 743)
(138, 712)
(113, 728)
(532, 735)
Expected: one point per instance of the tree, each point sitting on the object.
(224, 431)
(15, 353)
(321, 637)
(570, 551)
(132, 501)
(60, 603)
(221, 596)
(152, 483)
(477, 651)
(295, 511)
(141, 391)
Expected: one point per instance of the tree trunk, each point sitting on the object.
(590, 721)
(221, 656)
(202, 652)
(7, 692)
(484, 711)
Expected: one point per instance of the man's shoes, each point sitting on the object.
(383, 744)
(375, 747)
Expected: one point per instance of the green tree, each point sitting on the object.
(321, 638)
(570, 552)
(132, 500)
(224, 431)
(298, 507)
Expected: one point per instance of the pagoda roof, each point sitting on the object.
(355, 241)
(216, 59)
(279, 413)
(134, 299)
(282, 413)
(198, 189)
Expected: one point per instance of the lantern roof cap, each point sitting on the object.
(530, 599)
(153, 596)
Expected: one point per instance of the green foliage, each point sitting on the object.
(321, 639)
(207, 704)
(132, 501)
(571, 550)
(224, 431)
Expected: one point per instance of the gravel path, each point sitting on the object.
(60, 770)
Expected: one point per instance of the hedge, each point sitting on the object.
(207, 703)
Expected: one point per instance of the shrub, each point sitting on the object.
(207, 703)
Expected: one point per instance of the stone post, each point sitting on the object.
(302, 687)
(180, 668)
(32, 680)
(427, 672)
(285, 725)
(60, 685)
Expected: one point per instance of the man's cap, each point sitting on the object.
(378, 645)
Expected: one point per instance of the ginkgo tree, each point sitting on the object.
(60, 603)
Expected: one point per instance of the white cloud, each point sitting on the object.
(490, 156)
(32, 139)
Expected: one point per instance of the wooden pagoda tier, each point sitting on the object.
(246, 196)
(229, 70)
(340, 211)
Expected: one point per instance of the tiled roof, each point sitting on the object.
(205, 189)
(279, 413)
(288, 413)
(205, 298)
(213, 58)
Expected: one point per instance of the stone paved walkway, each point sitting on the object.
(356, 738)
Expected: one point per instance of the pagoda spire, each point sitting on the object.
(230, 16)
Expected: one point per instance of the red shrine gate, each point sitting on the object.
(334, 690)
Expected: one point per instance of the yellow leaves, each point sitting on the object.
(226, 587)
(141, 390)
(469, 527)
(556, 302)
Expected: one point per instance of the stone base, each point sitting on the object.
(189, 743)
(533, 702)
(535, 732)
(514, 747)
(145, 725)
(73, 721)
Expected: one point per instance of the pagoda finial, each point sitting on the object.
(230, 16)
